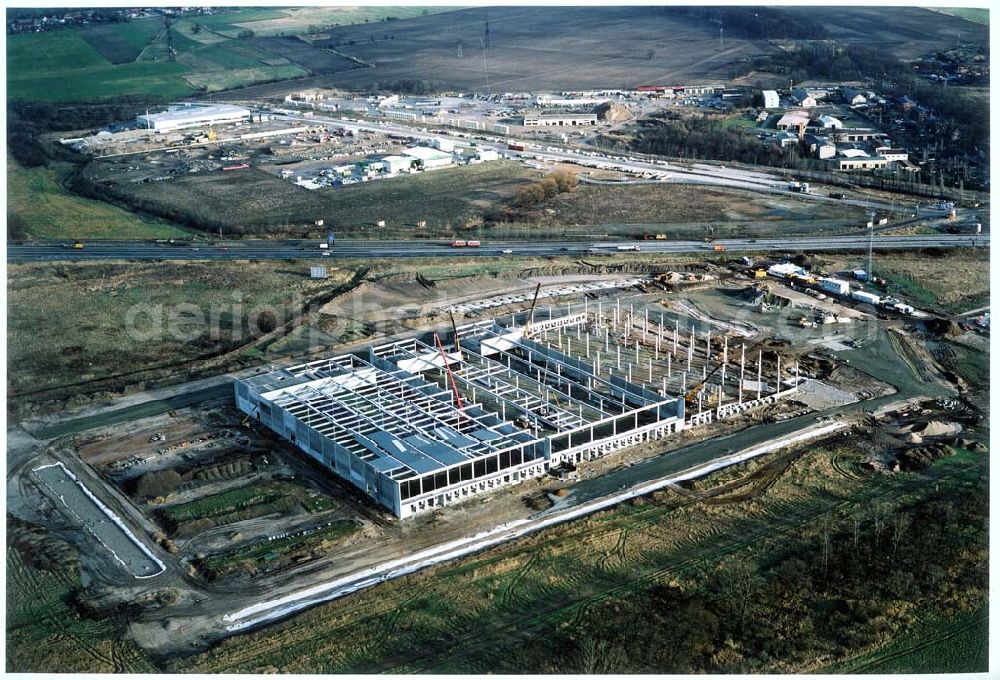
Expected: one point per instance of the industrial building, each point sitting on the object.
(428, 158)
(180, 116)
(857, 159)
(771, 99)
(419, 424)
(534, 119)
(397, 164)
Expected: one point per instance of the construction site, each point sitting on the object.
(472, 413)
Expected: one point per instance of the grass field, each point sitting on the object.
(269, 553)
(121, 46)
(47, 210)
(691, 212)
(85, 309)
(133, 60)
(544, 592)
(936, 645)
(45, 636)
(954, 281)
(975, 15)
(264, 203)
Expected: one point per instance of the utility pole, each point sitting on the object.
(871, 241)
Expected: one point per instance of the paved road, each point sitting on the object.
(351, 249)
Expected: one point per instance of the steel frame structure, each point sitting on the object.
(417, 425)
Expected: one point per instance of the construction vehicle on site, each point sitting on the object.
(531, 313)
(692, 394)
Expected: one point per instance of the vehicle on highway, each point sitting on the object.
(78, 245)
(629, 248)
(224, 248)
(506, 251)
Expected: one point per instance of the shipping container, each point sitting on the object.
(838, 286)
(866, 297)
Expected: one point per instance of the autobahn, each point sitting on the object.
(363, 249)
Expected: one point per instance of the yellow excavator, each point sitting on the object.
(692, 394)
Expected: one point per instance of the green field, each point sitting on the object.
(47, 210)
(133, 60)
(119, 45)
(45, 636)
(973, 14)
(61, 66)
(935, 645)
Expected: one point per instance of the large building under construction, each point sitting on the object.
(425, 422)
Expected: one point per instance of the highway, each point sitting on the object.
(362, 249)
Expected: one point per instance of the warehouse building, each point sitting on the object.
(397, 164)
(427, 157)
(857, 159)
(419, 424)
(180, 116)
(535, 119)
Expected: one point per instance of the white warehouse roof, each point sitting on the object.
(190, 115)
(425, 154)
(853, 153)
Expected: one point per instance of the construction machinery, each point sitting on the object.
(454, 330)
(692, 394)
(531, 312)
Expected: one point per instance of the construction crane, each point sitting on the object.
(531, 312)
(451, 376)
(454, 330)
(692, 393)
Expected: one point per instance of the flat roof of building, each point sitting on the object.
(425, 153)
(186, 112)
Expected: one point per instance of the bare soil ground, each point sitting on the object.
(315, 60)
(908, 32)
(538, 48)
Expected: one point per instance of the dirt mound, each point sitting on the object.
(921, 457)
(914, 438)
(969, 445)
(936, 428)
(944, 327)
(612, 112)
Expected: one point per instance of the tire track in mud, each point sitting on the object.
(578, 608)
(872, 665)
(507, 594)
